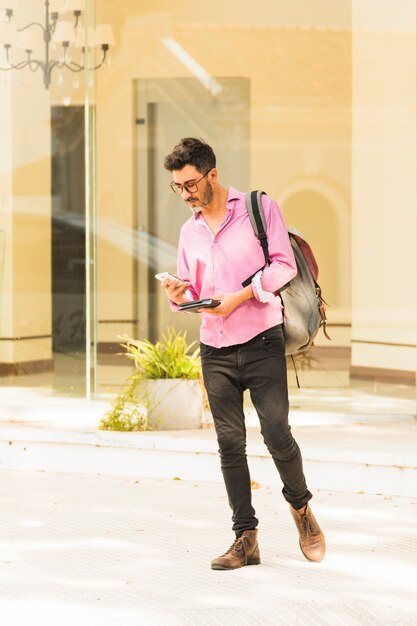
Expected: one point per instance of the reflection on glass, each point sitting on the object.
(274, 95)
(312, 103)
(42, 217)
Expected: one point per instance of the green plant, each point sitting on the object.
(127, 413)
(172, 357)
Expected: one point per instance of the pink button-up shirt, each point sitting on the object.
(219, 264)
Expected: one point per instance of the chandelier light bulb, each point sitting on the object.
(76, 83)
(73, 5)
(53, 51)
(8, 33)
(6, 15)
(83, 39)
(55, 6)
(64, 32)
(27, 39)
(104, 35)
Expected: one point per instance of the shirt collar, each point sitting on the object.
(232, 195)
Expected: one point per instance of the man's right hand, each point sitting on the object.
(175, 290)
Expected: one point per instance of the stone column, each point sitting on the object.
(384, 189)
(25, 224)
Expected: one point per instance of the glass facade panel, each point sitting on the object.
(272, 93)
(276, 93)
(312, 101)
(45, 310)
(167, 109)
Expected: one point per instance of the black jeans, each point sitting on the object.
(260, 366)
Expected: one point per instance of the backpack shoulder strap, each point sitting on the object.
(257, 219)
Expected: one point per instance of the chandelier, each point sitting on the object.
(60, 37)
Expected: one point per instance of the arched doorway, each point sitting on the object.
(322, 216)
(314, 216)
(320, 210)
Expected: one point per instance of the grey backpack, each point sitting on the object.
(304, 310)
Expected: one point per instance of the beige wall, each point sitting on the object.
(298, 59)
(384, 185)
(25, 180)
(332, 139)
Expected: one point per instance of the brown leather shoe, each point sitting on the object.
(312, 542)
(243, 551)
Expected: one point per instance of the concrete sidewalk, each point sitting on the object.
(372, 455)
(105, 528)
(104, 550)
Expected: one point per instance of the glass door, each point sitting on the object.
(166, 111)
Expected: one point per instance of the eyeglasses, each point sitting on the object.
(190, 185)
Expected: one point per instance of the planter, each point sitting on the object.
(174, 403)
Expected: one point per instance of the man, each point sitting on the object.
(242, 344)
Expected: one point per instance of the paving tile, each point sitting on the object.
(104, 550)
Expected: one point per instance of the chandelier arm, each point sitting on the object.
(61, 64)
(37, 64)
(77, 18)
(76, 67)
(48, 65)
(19, 30)
(92, 69)
(18, 66)
(55, 63)
(13, 66)
(79, 68)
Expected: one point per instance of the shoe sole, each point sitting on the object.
(251, 562)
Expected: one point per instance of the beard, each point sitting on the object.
(207, 195)
(206, 199)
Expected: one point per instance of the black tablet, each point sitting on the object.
(194, 305)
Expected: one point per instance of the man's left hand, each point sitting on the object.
(228, 303)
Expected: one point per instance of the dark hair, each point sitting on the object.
(191, 151)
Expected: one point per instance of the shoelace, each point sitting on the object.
(236, 546)
(308, 527)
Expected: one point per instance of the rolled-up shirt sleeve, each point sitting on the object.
(282, 267)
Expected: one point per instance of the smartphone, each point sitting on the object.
(194, 305)
(164, 275)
